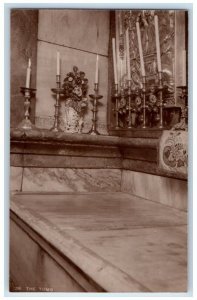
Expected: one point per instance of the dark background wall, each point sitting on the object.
(23, 45)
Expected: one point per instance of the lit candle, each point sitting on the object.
(114, 60)
(28, 75)
(96, 72)
(140, 49)
(128, 55)
(157, 43)
(58, 63)
(184, 68)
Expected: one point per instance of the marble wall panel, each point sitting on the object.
(46, 73)
(23, 44)
(75, 29)
(16, 178)
(58, 161)
(42, 272)
(71, 180)
(168, 191)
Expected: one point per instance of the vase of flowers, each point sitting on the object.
(76, 88)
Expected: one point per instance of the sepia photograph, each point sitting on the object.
(99, 150)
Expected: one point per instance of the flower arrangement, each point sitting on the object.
(76, 88)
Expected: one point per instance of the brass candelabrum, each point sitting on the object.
(160, 88)
(116, 97)
(28, 93)
(129, 104)
(144, 100)
(139, 106)
(58, 91)
(183, 124)
(94, 98)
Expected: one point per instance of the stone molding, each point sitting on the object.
(46, 149)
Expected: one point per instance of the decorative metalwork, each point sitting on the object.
(58, 91)
(183, 124)
(94, 98)
(148, 101)
(142, 107)
(28, 93)
(167, 44)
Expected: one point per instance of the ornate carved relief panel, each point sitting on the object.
(173, 49)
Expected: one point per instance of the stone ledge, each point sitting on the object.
(40, 147)
(44, 135)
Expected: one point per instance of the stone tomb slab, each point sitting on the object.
(121, 242)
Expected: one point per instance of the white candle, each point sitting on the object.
(120, 23)
(114, 60)
(140, 49)
(157, 43)
(28, 75)
(58, 63)
(184, 68)
(128, 55)
(96, 72)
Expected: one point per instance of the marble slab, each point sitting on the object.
(71, 180)
(122, 242)
(75, 28)
(16, 178)
(168, 191)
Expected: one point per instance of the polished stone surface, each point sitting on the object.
(71, 180)
(168, 191)
(42, 135)
(39, 266)
(122, 242)
(81, 162)
(76, 29)
(44, 148)
(16, 178)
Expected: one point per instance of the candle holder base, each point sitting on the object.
(56, 129)
(26, 125)
(28, 93)
(58, 91)
(94, 98)
(93, 132)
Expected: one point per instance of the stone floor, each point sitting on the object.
(123, 242)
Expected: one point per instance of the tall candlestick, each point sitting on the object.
(114, 60)
(28, 74)
(128, 55)
(96, 72)
(121, 73)
(184, 68)
(140, 49)
(157, 43)
(58, 63)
